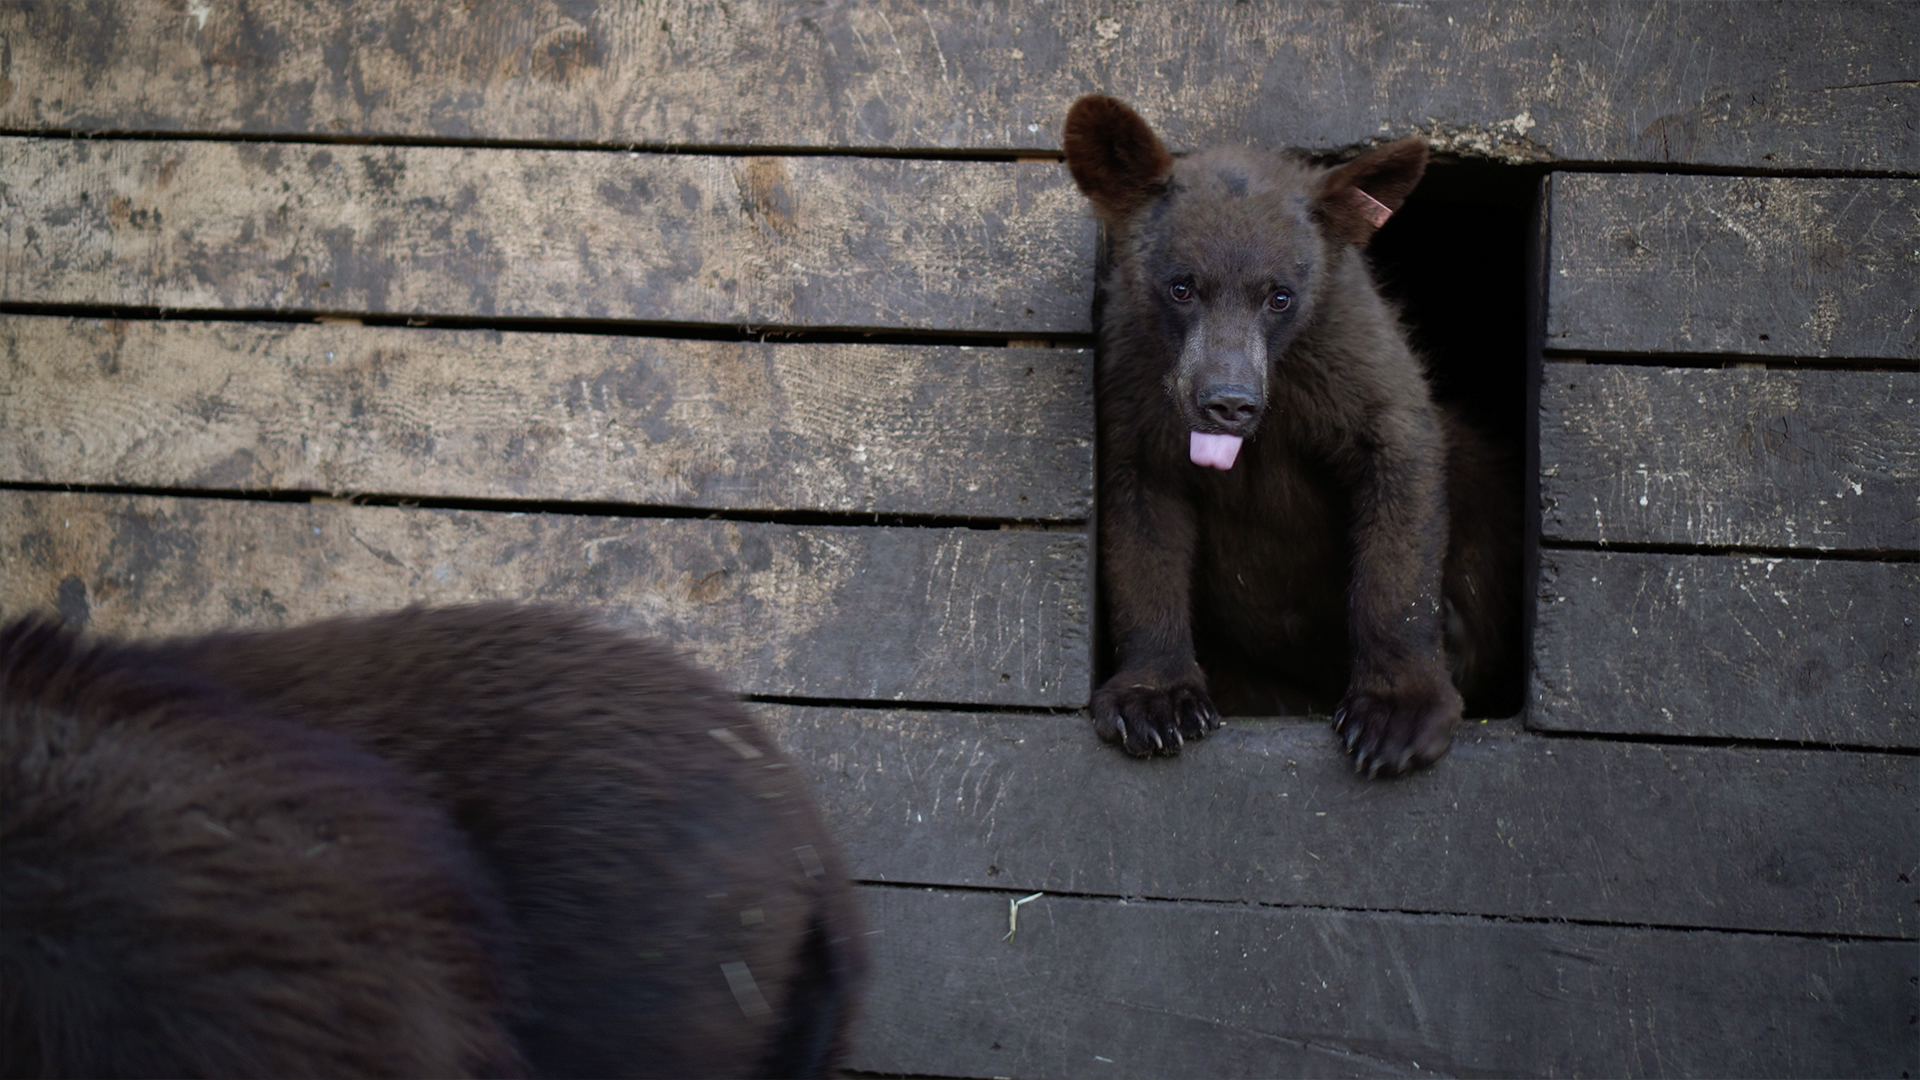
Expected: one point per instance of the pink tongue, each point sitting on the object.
(1215, 451)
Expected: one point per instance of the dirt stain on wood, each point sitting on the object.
(767, 196)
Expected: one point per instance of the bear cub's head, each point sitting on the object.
(1220, 256)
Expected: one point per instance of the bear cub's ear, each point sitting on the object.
(1358, 197)
(1114, 156)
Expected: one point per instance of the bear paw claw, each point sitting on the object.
(1394, 730)
(1146, 719)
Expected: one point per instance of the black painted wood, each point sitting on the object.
(1743, 458)
(1270, 812)
(955, 431)
(1792, 85)
(1108, 988)
(960, 615)
(1728, 647)
(1000, 247)
(1764, 266)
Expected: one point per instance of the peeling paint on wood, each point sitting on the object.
(1746, 265)
(1728, 647)
(795, 241)
(1112, 988)
(1270, 812)
(1772, 459)
(963, 615)
(1793, 85)
(990, 433)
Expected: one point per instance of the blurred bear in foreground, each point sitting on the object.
(488, 840)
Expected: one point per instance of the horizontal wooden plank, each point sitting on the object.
(1798, 85)
(971, 432)
(799, 241)
(1729, 647)
(1724, 264)
(962, 615)
(1270, 812)
(1782, 459)
(1108, 988)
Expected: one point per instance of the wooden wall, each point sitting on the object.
(765, 327)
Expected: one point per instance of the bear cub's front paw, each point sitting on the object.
(1395, 725)
(1153, 718)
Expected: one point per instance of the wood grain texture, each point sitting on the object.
(1747, 265)
(1772, 459)
(1795, 85)
(1728, 647)
(961, 615)
(975, 432)
(1270, 812)
(796, 241)
(1106, 988)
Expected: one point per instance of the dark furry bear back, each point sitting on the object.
(682, 908)
(437, 842)
(190, 889)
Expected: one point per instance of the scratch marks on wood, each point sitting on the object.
(1701, 83)
(1806, 459)
(777, 609)
(972, 432)
(1267, 812)
(547, 234)
(1748, 265)
(1730, 647)
(1244, 991)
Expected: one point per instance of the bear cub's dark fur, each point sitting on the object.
(476, 841)
(1275, 476)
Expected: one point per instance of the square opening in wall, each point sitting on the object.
(1280, 528)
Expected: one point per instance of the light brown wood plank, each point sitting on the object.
(1771, 459)
(1809, 650)
(1508, 825)
(796, 241)
(1109, 988)
(961, 615)
(1795, 85)
(974, 432)
(1765, 266)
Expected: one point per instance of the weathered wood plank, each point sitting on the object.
(1809, 458)
(1270, 812)
(962, 615)
(1795, 85)
(1722, 264)
(974, 432)
(1107, 988)
(867, 242)
(1734, 647)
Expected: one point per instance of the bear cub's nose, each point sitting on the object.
(1231, 406)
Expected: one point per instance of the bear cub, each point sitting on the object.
(1281, 498)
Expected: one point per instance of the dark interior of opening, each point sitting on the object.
(1455, 258)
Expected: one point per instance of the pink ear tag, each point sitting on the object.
(1375, 210)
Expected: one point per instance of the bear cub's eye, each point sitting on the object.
(1280, 300)
(1181, 291)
